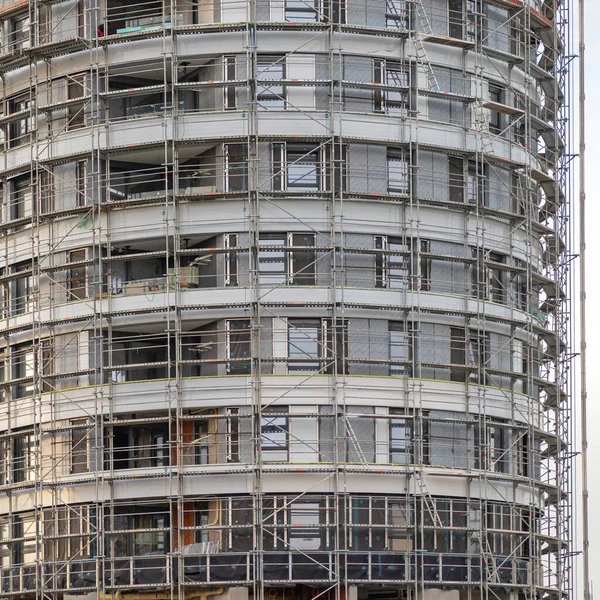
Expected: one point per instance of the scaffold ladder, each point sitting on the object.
(424, 28)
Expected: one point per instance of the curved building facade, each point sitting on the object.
(285, 299)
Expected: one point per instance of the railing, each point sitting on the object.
(237, 568)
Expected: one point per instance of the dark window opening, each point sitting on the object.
(239, 347)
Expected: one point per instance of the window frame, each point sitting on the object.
(497, 94)
(279, 421)
(271, 96)
(405, 422)
(398, 177)
(20, 130)
(302, 528)
(235, 173)
(77, 288)
(230, 241)
(397, 14)
(239, 367)
(415, 266)
(273, 257)
(401, 335)
(387, 101)
(302, 8)
(229, 74)
(310, 364)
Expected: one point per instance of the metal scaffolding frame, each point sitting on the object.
(72, 319)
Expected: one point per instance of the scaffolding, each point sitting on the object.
(285, 299)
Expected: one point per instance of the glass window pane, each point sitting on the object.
(303, 169)
(399, 441)
(273, 432)
(398, 174)
(304, 518)
(272, 267)
(301, 11)
(303, 345)
(270, 69)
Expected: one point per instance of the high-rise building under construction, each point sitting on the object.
(285, 299)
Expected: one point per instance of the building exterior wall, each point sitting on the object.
(284, 299)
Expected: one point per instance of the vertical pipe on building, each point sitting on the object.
(582, 312)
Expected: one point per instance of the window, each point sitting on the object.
(297, 167)
(76, 278)
(270, 72)
(46, 368)
(455, 18)
(272, 259)
(489, 279)
(476, 359)
(313, 344)
(523, 454)
(400, 524)
(274, 429)
(151, 535)
(473, 11)
(23, 466)
(137, 447)
(401, 348)
(21, 202)
(456, 179)
(392, 74)
(294, 265)
(236, 167)
(397, 14)
(496, 277)
(303, 168)
(401, 452)
(305, 345)
(238, 347)
(201, 435)
(301, 259)
(498, 518)
(231, 267)
(366, 519)
(497, 97)
(229, 95)
(462, 19)
(398, 171)
(45, 190)
(23, 364)
(22, 289)
(457, 354)
(301, 11)
(340, 168)
(498, 445)
(21, 27)
(201, 519)
(80, 182)
(445, 522)
(334, 11)
(3, 378)
(475, 183)
(23, 549)
(304, 533)
(20, 129)
(233, 435)
(79, 447)
(69, 533)
(75, 113)
(401, 264)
